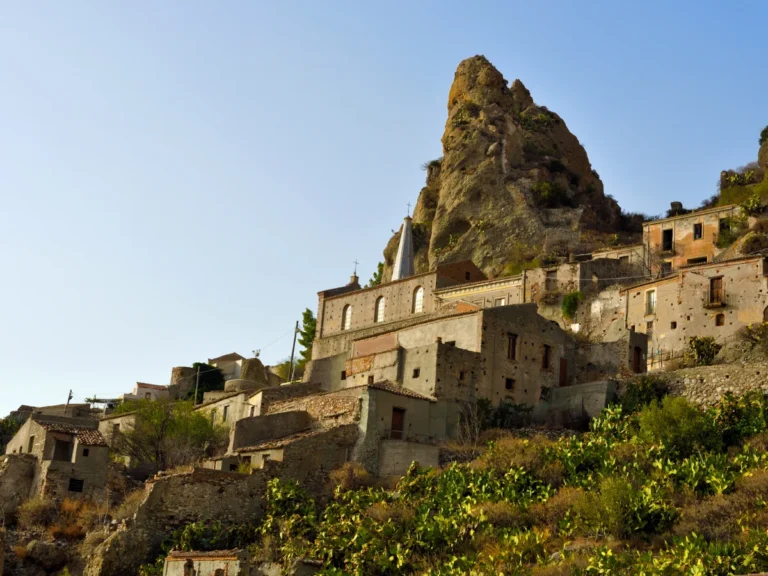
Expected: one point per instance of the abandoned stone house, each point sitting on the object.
(712, 299)
(71, 455)
(674, 242)
(144, 391)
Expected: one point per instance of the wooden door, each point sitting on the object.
(636, 360)
(563, 372)
(398, 423)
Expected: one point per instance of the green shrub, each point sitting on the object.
(551, 195)
(738, 418)
(679, 426)
(642, 392)
(701, 351)
(763, 136)
(571, 303)
(752, 205)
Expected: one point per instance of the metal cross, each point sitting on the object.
(356, 263)
(409, 208)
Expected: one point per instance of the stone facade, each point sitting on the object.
(218, 563)
(618, 359)
(17, 473)
(256, 429)
(686, 239)
(227, 408)
(714, 299)
(396, 456)
(72, 457)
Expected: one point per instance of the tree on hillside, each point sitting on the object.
(168, 434)
(376, 278)
(307, 336)
(211, 379)
(764, 136)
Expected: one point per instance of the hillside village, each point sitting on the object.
(517, 296)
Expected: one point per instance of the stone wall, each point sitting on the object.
(574, 405)
(16, 478)
(329, 409)
(263, 399)
(601, 360)
(705, 385)
(251, 431)
(395, 456)
(55, 475)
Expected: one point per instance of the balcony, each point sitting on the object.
(716, 298)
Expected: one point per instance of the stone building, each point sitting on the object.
(231, 365)
(144, 391)
(713, 299)
(72, 457)
(671, 243)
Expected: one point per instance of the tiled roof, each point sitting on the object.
(87, 436)
(151, 386)
(232, 356)
(388, 386)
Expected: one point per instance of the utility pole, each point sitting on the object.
(66, 406)
(293, 349)
(197, 383)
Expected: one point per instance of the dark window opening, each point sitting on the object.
(509, 383)
(700, 260)
(31, 444)
(673, 325)
(462, 375)
(343, 374)
(416, 372)
(716, 290)
(649, 327)
(370, 379)
(724, 224)
(550, 282)
(546, 359)
(226, 413)
(233, 467)
(466, 275)
(147, 396)
(398, 424)
(623, 260)
(666, 267)
(697, 231)
(512, 346)
(666, 239)
(62, 451)
(720, 320)
(86, 452)
(76, 485)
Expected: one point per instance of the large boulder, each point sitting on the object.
(47, 555)
(513, 182)
(16, 475)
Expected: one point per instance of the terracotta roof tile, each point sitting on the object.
(151, 386)
(87, 436)
(232, 356)
(388, 386)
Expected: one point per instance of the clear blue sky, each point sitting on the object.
(179, 179)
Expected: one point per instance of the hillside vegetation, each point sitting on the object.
(656, 486)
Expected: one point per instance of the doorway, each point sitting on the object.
(636, 356)
(398, 424)
(563, 372)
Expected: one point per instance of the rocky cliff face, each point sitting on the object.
(514, 187)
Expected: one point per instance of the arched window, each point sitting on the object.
(418, 300)
(378, 313)
(346, 317)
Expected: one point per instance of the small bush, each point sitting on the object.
(66, 531)
(571, 303)
(679, 426)
(503, 514)
(551, 195)
(397, 512)
(36, 513)
(351, 476)
(701, 351)
(509, 452)
(552, 512)
(642, 392)
(763, 136)
(130, 505)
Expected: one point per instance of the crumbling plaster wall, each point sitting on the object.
(16, 477)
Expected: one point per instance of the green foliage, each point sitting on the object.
(742, 417)
(168, 434)
(211, 380)
(376, 278)
(551, 195)
(641, 393)
(540, 122)
(752, 205)
(465, 113)
(701, 350)
(763, 136)
(309, 327)
(571, 303)
(8, 428)
(678, 426)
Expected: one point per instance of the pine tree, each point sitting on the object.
(307, 336)
(376, 278)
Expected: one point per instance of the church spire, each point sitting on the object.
(403, 267)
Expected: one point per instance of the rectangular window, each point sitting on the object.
(147, 396)
(343, 374)
(623, 259)
(226, 413)
(76, 485)
(650, 302)
(666, 239)
(31, 444)
(253, 410)
(649, 327)
(697, 231)
(511, 346)
(546, 359)
(233, 467)
(462, 376)
(500, 302)
(720, 320)
(509, 383)
(725, 224)
(700, 260)
(673, 325)
(550, 284)
(86, 452)
(467, 275)
(416, 372)
(370, 379)
(398, 424)
(666, 267)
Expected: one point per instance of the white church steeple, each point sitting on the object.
(403, 267)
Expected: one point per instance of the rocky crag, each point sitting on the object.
(514, 187)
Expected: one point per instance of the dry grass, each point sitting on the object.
(397, 512)
(20, 552)
(551, 512)
(91, 542)
(503, 514)
(66, 531)
(507, 452)
(37, 513)
(130, 505)
(351, 476)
